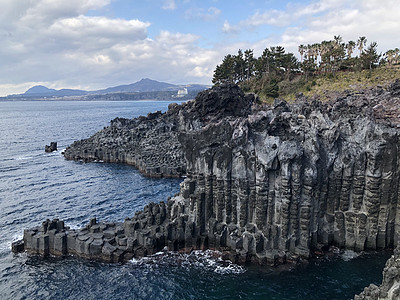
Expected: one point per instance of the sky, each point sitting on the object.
(95, 44)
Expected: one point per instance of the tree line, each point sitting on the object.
(276, 65)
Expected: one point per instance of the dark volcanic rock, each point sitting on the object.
(390, 287)
(219, 102)
(149, 143)
(265, 185)
(51, 148)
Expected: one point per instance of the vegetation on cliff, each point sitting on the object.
(325, 67)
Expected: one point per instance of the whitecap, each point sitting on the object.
(26, 157)
(349, 255)
(207, 260)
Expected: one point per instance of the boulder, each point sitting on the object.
(51, 148)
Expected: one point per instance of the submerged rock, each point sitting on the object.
(264, 184)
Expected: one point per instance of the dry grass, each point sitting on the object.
(321, 87)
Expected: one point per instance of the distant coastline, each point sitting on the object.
(145, 89)
(139, 96)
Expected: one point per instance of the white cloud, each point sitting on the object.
(46, 11)
(95, 32)
(169, 5)
(67, 49)
(210, 14)
(292, 13)
(271, 17)
(228, 28)
(321, 20)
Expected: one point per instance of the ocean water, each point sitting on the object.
(35, 185)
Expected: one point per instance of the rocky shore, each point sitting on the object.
(390, 287)
(266, 184)
(149, 143)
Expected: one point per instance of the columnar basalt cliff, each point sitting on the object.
(265, 184)
(149, 143)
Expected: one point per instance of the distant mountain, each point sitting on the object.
(42, 91)
(39, 90)
(145, 85)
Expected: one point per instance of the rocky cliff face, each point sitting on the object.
(282, 181)
(265, 184)
(149, 143)
(390, 287)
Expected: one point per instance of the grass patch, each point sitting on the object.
(348, 81)
(324, 85)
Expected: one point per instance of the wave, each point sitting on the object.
(349, 255)
(208, 260)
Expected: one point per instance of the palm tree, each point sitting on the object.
(361, 43)
(338, 40)
(350, 47)
(390, 56)
(302, 49)
(396, 56)
(324, 49)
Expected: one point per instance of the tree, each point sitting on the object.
(225, 72)
(308, 65)
(370, 58)
(338, 39)
(389, 55)
(396, 59)
(338, 54)
(290, 64)
(249, 63)
(239, 65)
(302, 50)
(361, 43)
(350, 47)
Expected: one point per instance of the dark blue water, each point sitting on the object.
(35, 185)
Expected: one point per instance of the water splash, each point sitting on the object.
(208, 260)
(349, 255)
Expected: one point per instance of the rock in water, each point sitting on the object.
(264, 184)
(51, 148)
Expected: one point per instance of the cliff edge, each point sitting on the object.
(265, 184)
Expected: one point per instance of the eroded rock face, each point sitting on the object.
(265, 184)
(390, 287)
(296, 177)
(149, 143)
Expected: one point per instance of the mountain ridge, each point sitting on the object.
(143, 85)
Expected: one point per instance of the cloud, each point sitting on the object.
(46, 11)
(321, 20)
(169, 5)
(270, 17)
(210, 14)
(95, 32)
(292, 13)
(369, 18)
(228, 28)
(67, 49)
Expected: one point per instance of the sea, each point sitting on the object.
(35, 186)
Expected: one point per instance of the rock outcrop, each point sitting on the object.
(390, 287)
(265, 184)
(51, 148)
(150, 144)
